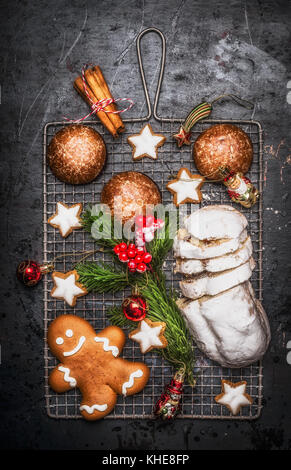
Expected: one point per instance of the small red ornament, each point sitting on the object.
(30, 272)
(150, 220)
(240, 189)
(159, 223)
(140, 220)
(134, 308)
(145, 229)
(169, 403)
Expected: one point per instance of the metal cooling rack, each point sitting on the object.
(198, 402)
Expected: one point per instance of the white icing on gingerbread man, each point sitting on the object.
(90, 361)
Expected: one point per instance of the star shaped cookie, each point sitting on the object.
(149, 335)
(233, 396)
(66, 287)
(66, 218)
(146, 143)
(186, 187)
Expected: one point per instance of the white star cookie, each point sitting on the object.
(146, 143)
(186, 188)
(66, 287)
(233, 396)
(149, 335)
(66, 218)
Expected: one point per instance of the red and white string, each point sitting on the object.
(100, 105)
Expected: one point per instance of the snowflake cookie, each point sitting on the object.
(66, 218)
(146, 143)
(233, 396)
(149, 335)
(66, 287)
(186, 187)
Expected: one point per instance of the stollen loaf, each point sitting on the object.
(213, 283)
(231, 328)
(215, 222)
(214, 252)
(217, 264)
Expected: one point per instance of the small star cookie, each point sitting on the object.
(186, 187)
(66, 287)
(66, 218)
(149, 335)
(146, 143)
(233, 396)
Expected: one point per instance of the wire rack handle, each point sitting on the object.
(162, 67)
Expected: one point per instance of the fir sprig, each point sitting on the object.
(162, 307)
(152, 286)
(117, 318)
(108, 231)
(101, 278)
(87, 219)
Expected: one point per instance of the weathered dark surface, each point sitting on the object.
(212, 47)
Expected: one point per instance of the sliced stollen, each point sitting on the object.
(186, 246)
(214, 283)
(220, 263)
(231, 328)
(215, 222)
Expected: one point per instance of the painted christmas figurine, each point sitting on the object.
(169, 403)
(240, 189)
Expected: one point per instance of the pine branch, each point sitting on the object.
(101, 278)
(152, 286)
(162, 307)
(104, 229)
(87, 219)
(117, 318)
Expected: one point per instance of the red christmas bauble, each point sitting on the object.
(29, 272)
(134, 308)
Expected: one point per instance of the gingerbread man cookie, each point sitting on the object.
(90, 362)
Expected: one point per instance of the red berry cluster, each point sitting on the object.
(136, 257)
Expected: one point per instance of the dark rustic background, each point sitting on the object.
(242, 47)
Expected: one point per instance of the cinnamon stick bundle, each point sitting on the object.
(98, 89)
(79, 86)
(105, 92)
